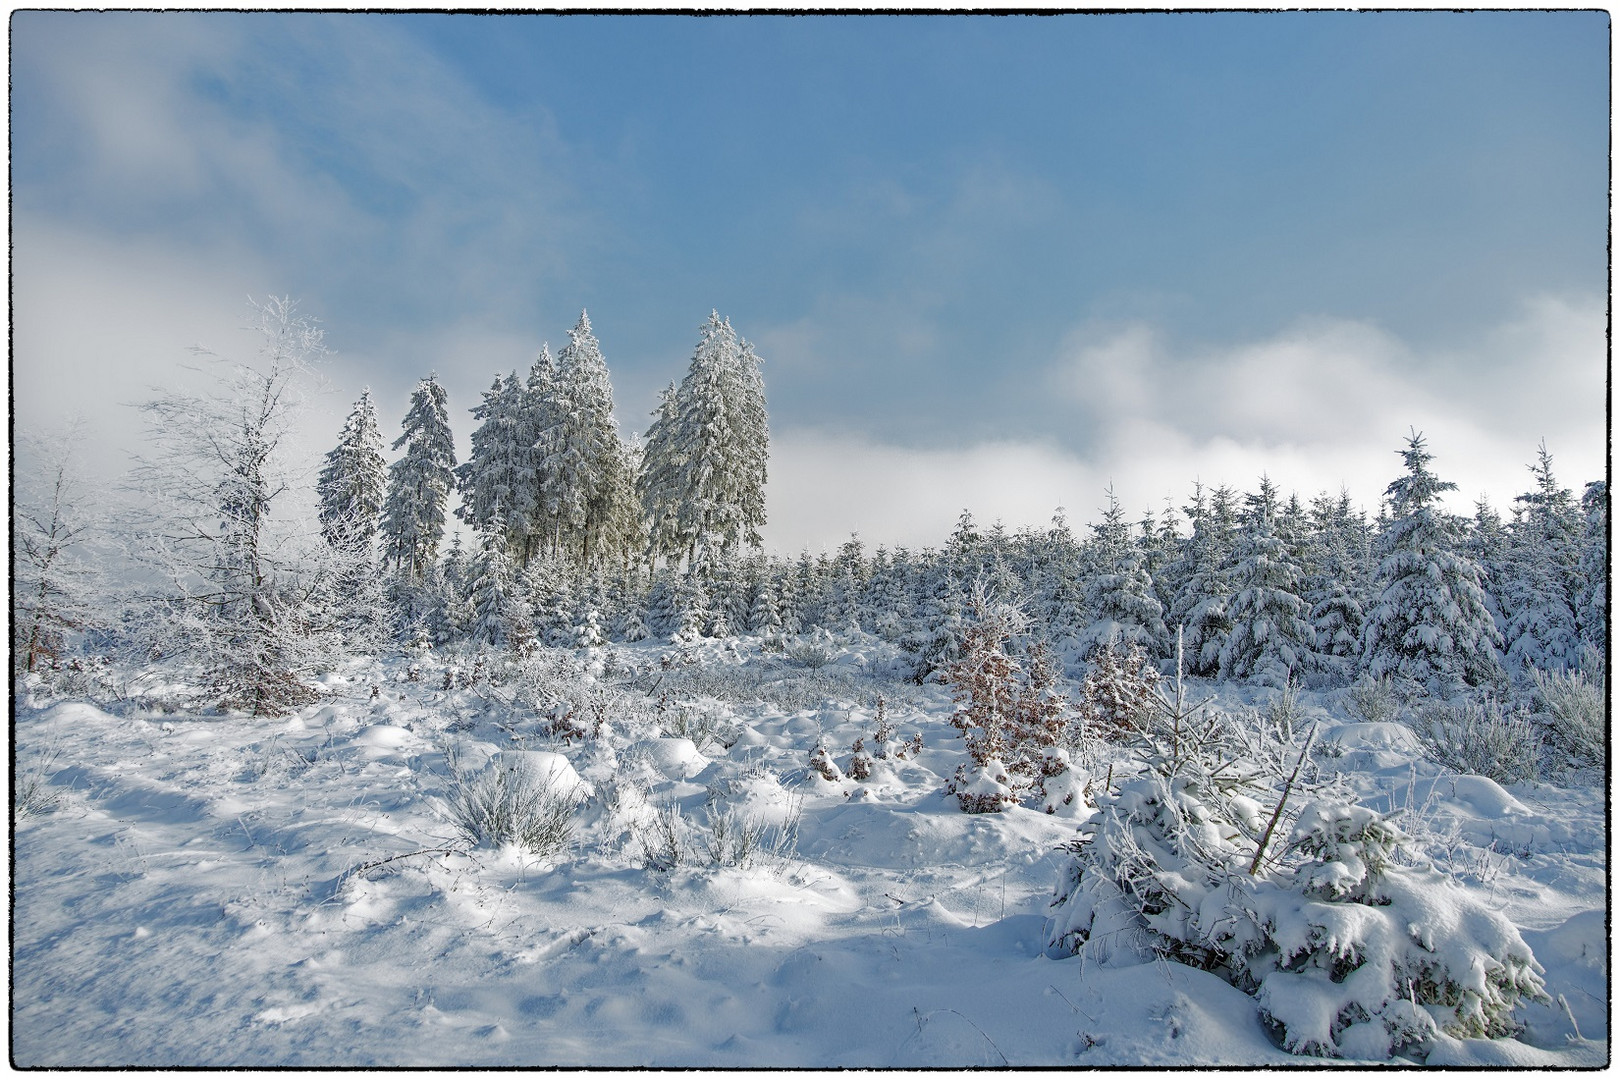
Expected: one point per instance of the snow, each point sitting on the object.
(211, 892)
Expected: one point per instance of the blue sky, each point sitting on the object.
(997, 262)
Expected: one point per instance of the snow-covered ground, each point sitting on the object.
(212, 891)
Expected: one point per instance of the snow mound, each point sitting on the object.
(1485, 797)
(1379, 736)
(548, 767)
(676, 758)
(385, 737)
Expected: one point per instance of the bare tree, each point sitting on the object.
(237, 589)
(51, 525)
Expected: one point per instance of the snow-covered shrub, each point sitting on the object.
(1575, 720)
(1373, 701)
(510, 803)
(883, 732)
(987, 789)
(699, 725)
(733, 839)
(1480, 738)
(814, 653)
(31, 790)
(821, 761)
(1009, 713)
(1368, 957)
(1117, 691)
(1347, 950)
(860, 762)
(662, 836)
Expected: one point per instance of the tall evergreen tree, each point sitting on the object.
(1204, 570)
(704, 467)
(498, 494)
(353, 481)
(1429, 622)
(1592, 598)
(587, 455)
(1271, 641)
(1120, 599)
(419, 483)
(1541, 577)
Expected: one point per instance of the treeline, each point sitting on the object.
(583, 537)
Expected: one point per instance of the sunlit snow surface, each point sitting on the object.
(192, 901)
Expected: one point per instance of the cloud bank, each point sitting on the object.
(1323, 404)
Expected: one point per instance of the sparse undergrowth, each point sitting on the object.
(510, 803)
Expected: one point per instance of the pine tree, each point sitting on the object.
(419, 483)
(353, 481)
(1120, 599)
(495, 483)
(350, 491)
(537, 426)
(703, 470)
(763, 615)
(587, 456)
(1333, 586)
(1540, 579)
(1200, 601)
(1592, 598)
(494, 595)
(1270, 642)
(1429, 622)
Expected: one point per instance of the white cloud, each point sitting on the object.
(1324, 404)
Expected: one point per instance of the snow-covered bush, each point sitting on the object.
(1574, 716)
(700, 725)
(1347, 949)
(1368, 957)
(1347, 952)
(860, 762)
(823, 764)
(662, 837)
(814, 653)
(1373, 701)
(31, 791)
(1009, 713)
(1479, 737)
(509, 802)
(1117, 691)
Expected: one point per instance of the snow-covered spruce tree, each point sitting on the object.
(1200, 600)
(535, 433)
(496, 483)
(1334, 582)
(1540, 578)
(353, 481)
(419, 483)
(1429, 622)
(704, 467)
(587, 463)
(235, 586)
(1270, 641)
(494, 595)
(764, 617)
(1229, 853)
(1120, 599)
(936, 634)
(1592, 598)
(1060, 595)
(350, 491)
(51, 524)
